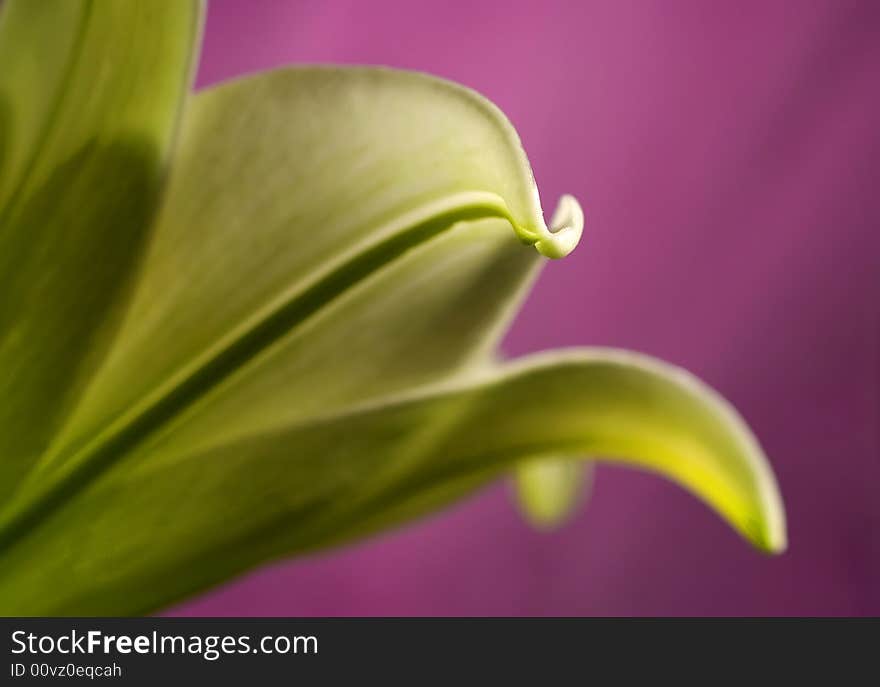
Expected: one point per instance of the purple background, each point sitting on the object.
(727, 158)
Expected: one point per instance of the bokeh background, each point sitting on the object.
(728, 158)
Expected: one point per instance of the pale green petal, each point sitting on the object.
(205, 516)
(277, 206)
(90, 94)
(288, 188)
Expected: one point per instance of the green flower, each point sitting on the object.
(264, 319)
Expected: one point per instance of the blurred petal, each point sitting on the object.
(549, 489)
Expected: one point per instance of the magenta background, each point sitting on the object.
(727, 158)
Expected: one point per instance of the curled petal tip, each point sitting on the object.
(565, 230)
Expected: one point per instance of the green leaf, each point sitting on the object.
(89, 99)
(203, 516)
